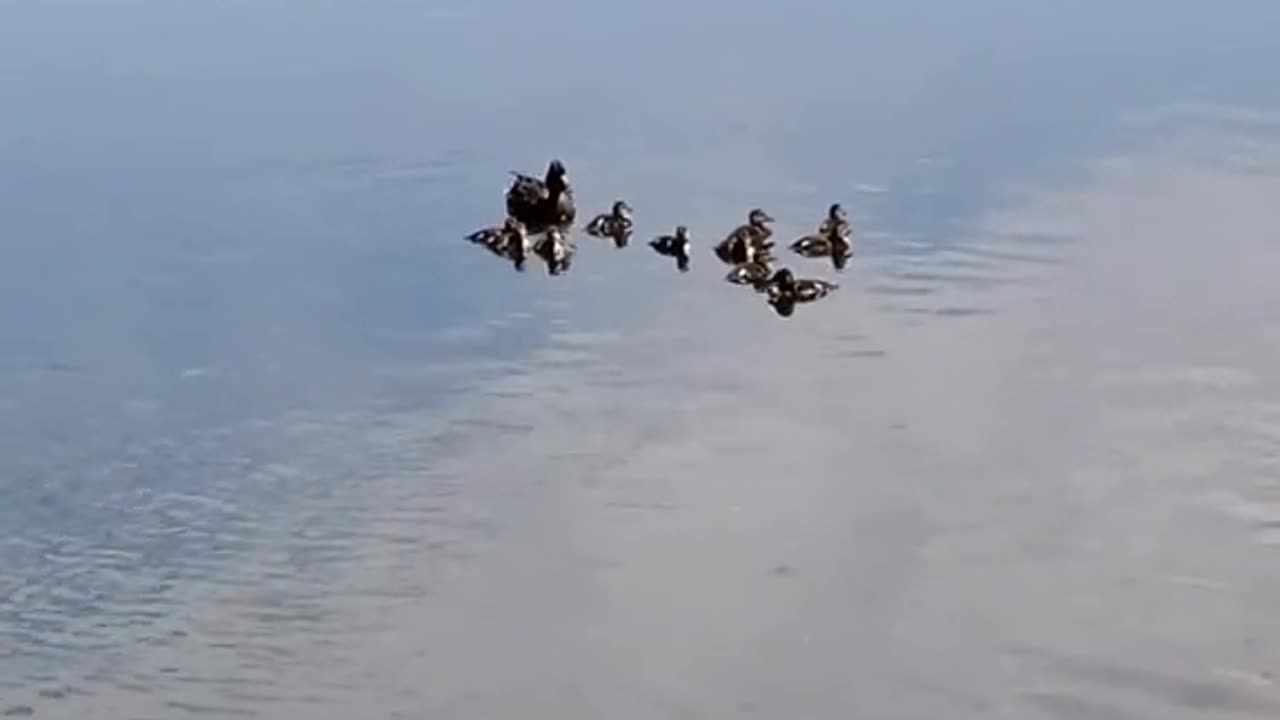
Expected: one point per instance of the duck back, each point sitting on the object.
(530, 202)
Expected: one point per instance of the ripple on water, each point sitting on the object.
(961, 279)
(854, 346)
(1068, 706)
(277, 607)
(962, 312)
(1151, 691)
(870, 354)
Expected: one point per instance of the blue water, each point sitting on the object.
(275, 442)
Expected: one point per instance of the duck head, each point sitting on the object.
(622, 210)
(556, 180)
(837, 214)
(759, 218)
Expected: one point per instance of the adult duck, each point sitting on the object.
(541, 203)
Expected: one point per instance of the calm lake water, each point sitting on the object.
(275, 442)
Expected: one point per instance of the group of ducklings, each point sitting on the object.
(540, 211)
(749, 250)
(541, 208)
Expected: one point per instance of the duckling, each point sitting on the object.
(613, 223)
(833, 244)
(755, 274)
(784, 286)
(555, 250)
(751, 237)
(509, 241)
(676, 246)
(742, 250)
(832, 237)
(757, 227)
(497, 236)
(837, 221)
(517, 247)
(542, 203)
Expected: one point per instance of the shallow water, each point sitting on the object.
(275, 442)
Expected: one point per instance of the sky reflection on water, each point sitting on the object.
(277, 442)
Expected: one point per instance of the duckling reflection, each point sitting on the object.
(784, 306)
(748, 241)
(785, 283)
(555, 250)
(542, 203)
(840, 259)
(615, 224)
(756, 274)
(676, 246)
(785, 290)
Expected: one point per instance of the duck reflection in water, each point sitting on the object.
(756, 274)
(676, 246)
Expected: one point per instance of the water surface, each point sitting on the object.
(275, 442)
